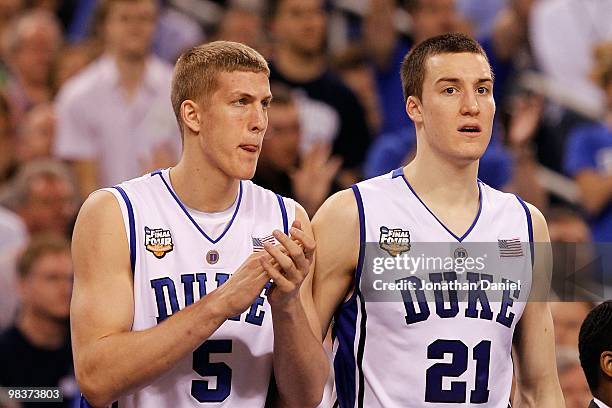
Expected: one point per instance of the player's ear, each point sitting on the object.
(190, 114)
(414, 109)
(605, 361)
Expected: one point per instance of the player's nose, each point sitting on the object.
(469, 104)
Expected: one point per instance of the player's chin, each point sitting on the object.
(245, 171)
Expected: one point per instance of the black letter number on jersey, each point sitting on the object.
(203, 366)
(458, 365)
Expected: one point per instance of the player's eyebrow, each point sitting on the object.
(457, 80)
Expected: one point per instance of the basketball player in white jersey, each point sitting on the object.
(170, 305)
(447, 353)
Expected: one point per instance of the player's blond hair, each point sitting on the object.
(195, 72)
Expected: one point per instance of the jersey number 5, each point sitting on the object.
(458, 365)
(202, 365)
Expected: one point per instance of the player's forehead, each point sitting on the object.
(465, 67)
(256, 84)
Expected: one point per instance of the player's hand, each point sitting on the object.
(245, 284)
(293, 257)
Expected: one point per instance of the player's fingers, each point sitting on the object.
(284, 261)
(292, 247)
(277, 278)
(308, 243)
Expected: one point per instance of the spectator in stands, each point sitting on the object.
(309, 179)
(595, 346)
(72, 59)
(242, 24)
(387, 47)
(571, 378)
(36, 350)
(36, 134)
(115, 121)
(299, 60)
(43, 195)
(589, 156)
(356, 72)
(13, 238)
(30, 48)
(563, 34)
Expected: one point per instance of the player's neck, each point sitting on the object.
(42, 331)
(203, 187)
(298, 67)
(438, 180)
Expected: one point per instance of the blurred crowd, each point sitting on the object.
(85, 104)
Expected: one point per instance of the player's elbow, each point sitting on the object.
(93, 386)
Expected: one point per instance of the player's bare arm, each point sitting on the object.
(336, 230)
(297, 340)
(534, 342)
(110, 360)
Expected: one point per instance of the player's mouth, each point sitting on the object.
(470, 130)
(250, 148)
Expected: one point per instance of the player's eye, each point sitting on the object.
(265, 104)
(482, 90)
(450, 90)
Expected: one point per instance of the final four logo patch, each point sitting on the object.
(158, 241)
(395, 241)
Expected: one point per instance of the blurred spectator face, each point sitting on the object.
(575, 387)
(35, 48)
(280, 147)
(567, 319)
(434, 17)
(37, 134)
(241, 26)
(129, 27)
(49, 204)
(301, 25)
(47, 287)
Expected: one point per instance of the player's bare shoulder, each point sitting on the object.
(338, 216)
(99, 229)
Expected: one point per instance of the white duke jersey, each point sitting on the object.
(424, 347)
(176, 263)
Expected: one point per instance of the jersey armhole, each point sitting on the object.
(529, 226)
(362, 244)
(127, 211)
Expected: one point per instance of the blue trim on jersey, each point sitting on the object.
(283, 209)
(349, 388)
(180, 203)
(397, 172)
(460, 239)
(529, 226)
(362, 236)
(130, 211)
(345, 328)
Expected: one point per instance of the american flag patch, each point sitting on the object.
(510, 247)
(258, 243)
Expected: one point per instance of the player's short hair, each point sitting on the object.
(39, 246)
(195, 72)
(595, 337)
(413, 65)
